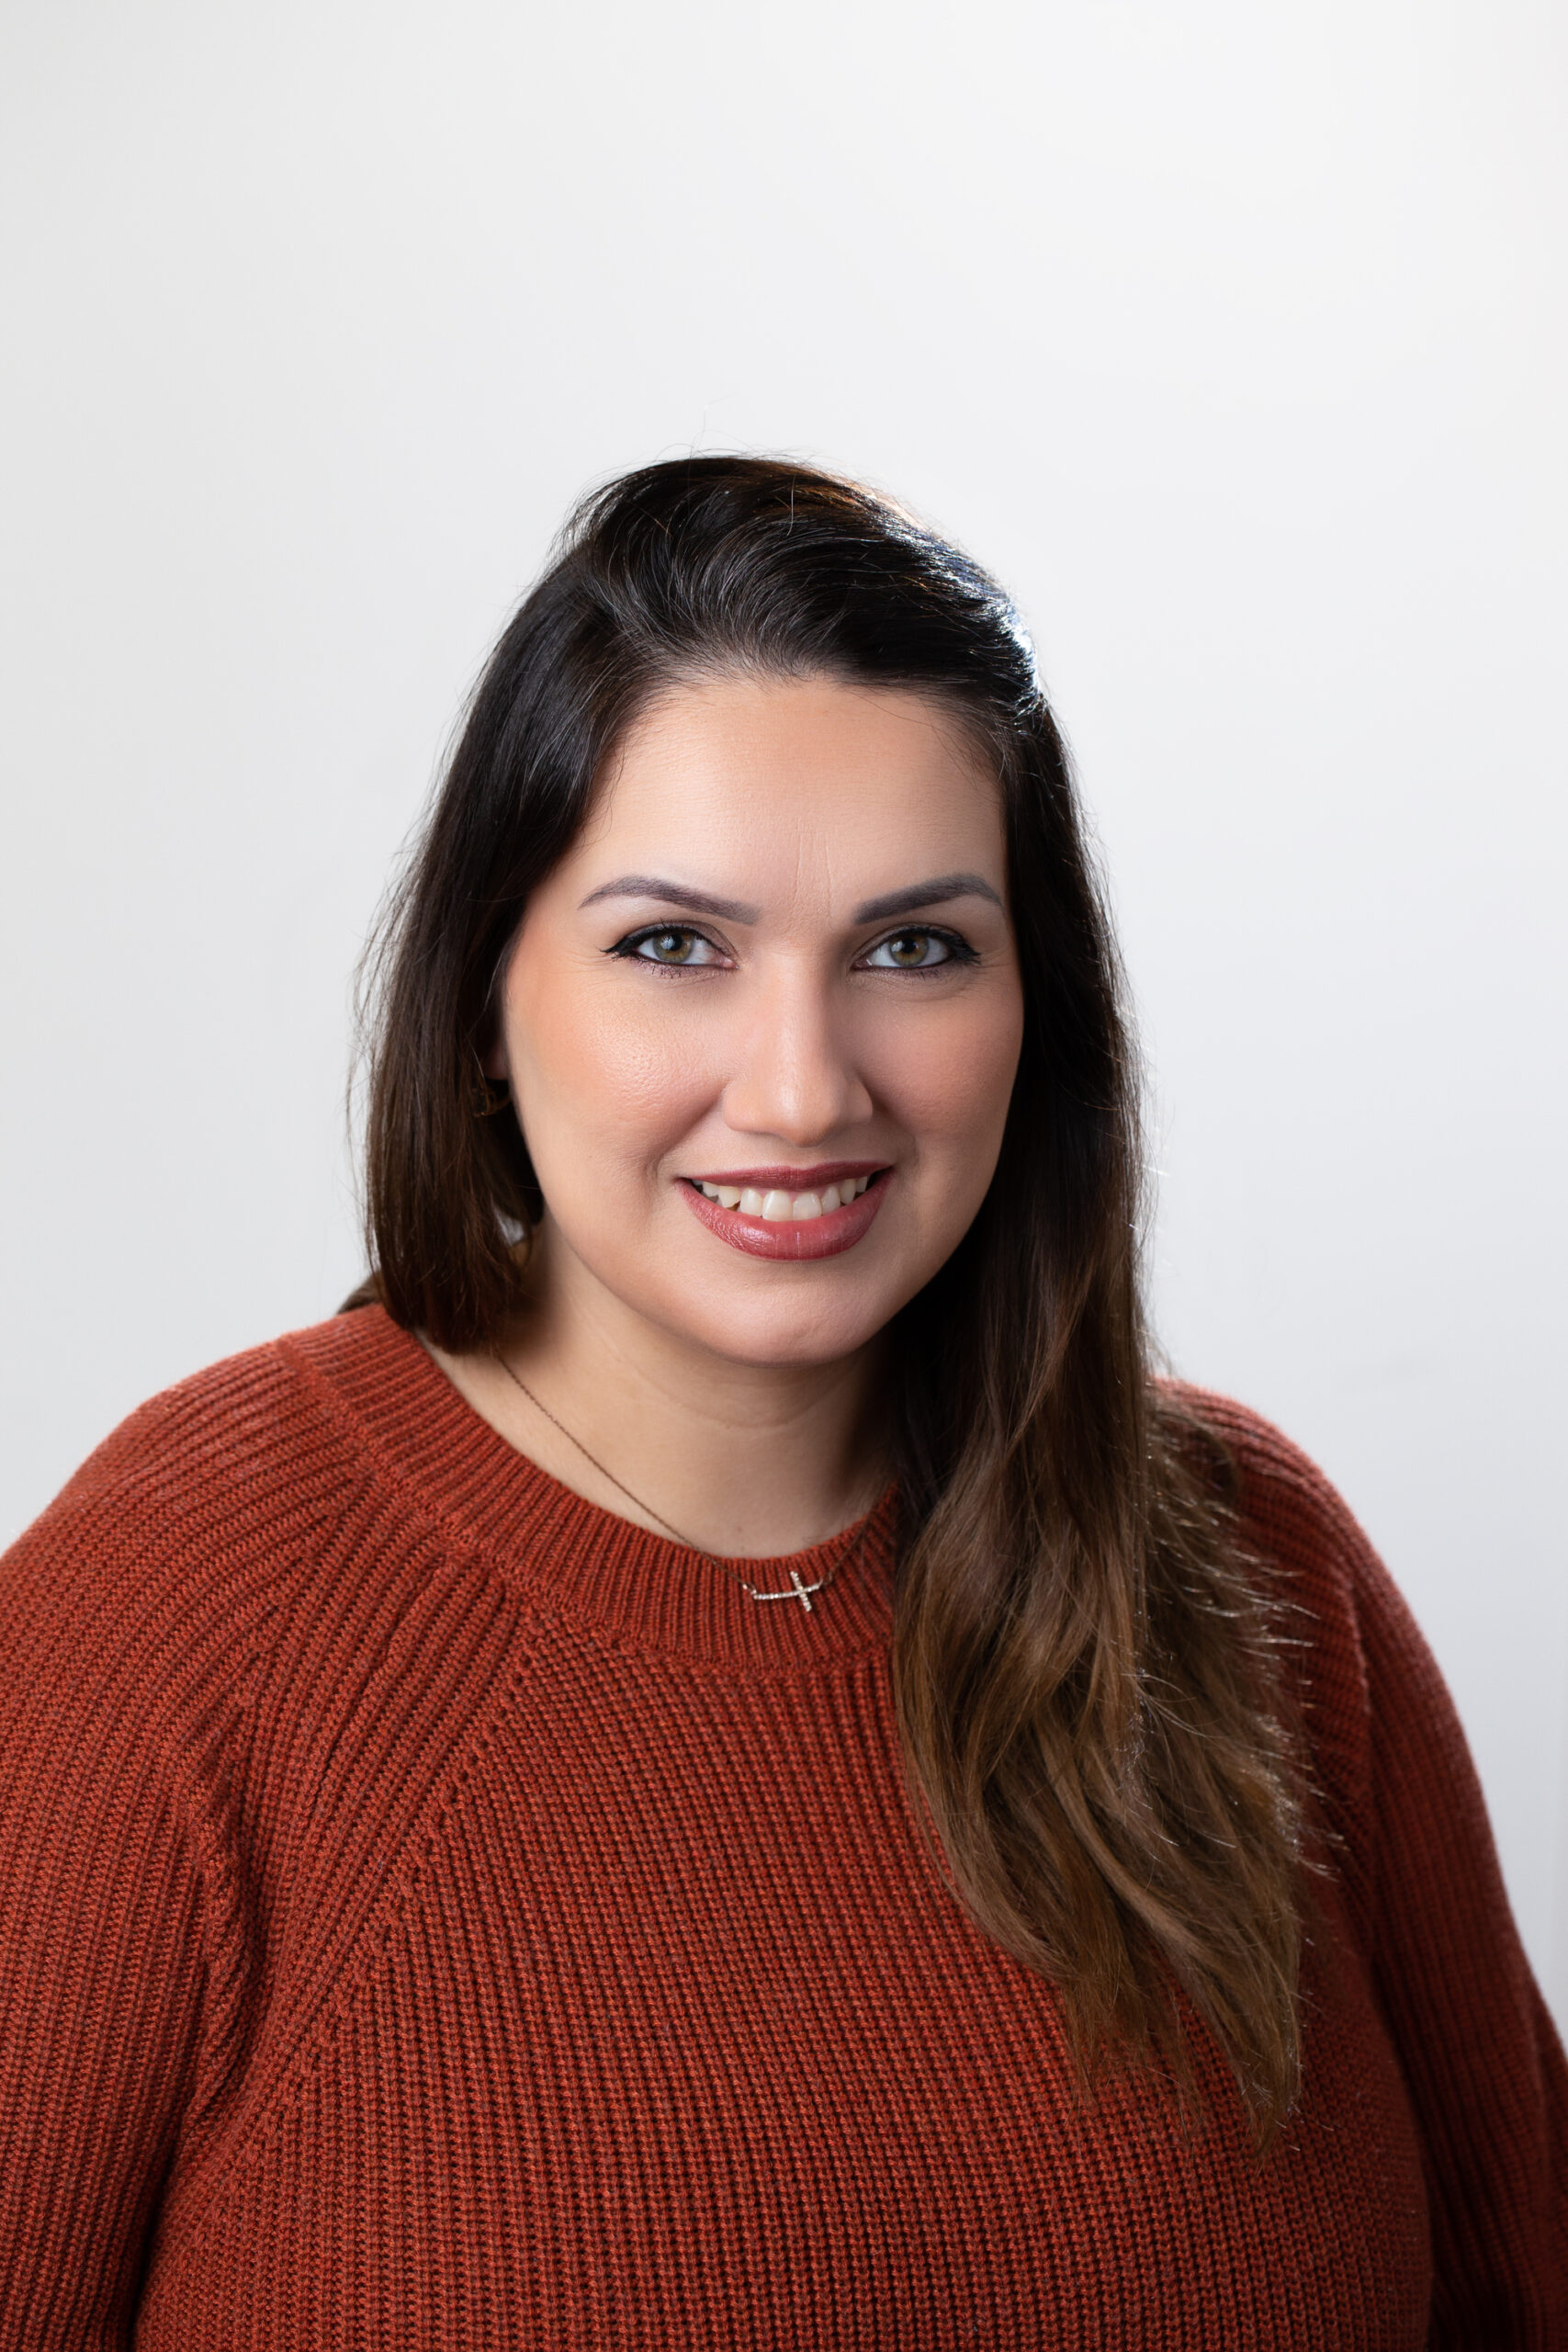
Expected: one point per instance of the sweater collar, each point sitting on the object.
(567, 1556)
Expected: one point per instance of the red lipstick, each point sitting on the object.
(795, 1237)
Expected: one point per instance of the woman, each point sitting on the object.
(718, 1763)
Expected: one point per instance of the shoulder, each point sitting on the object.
(1282, 1493)
(183, 1532)
(1289, 1512)
(1349, 1647)
(227, 1619)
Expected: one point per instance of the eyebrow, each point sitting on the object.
(675, 894)
(934, 893)
(938, 892)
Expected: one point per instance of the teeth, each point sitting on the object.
(778, 1206)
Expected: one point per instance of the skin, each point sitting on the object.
(736, 1394)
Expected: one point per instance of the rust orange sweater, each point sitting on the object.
(435, 1912)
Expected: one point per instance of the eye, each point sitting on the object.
(673, 946)
(918, 951)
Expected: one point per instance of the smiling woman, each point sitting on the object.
(455, 1907)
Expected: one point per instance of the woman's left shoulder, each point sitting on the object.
(1279, 1489)
(1347, 1635)
(1290, 1512)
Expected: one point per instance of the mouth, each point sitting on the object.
(790, 1213)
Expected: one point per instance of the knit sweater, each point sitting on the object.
(437, 1913)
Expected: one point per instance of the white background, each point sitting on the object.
(1232, 336)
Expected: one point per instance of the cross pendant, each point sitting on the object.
(797, 1591)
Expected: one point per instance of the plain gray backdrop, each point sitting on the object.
(1233, 337)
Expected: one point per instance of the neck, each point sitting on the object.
(743, 1459)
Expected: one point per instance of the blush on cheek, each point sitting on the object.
(952, 1082)
(602, 1095)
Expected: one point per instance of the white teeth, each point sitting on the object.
(777, 1206)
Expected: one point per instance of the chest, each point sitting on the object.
(673, 2039)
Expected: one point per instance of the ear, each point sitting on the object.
(489, 1043)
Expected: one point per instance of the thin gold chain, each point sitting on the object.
(795, 1590)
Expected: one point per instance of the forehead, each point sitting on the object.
(811, 777)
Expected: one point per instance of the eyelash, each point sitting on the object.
(959, 951)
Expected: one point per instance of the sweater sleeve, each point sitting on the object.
(1482, 2061)
(118, 1910)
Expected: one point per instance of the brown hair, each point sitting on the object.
(1083, 1658)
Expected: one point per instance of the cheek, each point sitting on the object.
(588, 1066)
(950, 1077)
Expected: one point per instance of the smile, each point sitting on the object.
(766, 1220)
(774, 1206)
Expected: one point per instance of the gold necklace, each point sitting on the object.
(796, 1590)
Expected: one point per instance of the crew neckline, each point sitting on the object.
(572, 1557)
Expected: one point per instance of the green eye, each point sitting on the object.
(675, 946)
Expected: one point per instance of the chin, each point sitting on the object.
(782, 1332)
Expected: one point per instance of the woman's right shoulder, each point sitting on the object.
(192, 1519)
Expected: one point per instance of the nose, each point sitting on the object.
(795, 1075)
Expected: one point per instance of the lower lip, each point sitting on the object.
(790, 1236)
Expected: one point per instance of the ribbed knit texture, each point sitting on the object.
(437, 1913)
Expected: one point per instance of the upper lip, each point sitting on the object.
(791, 1180)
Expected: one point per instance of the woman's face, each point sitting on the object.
(762, 1022)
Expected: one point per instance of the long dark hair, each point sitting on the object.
(1083, 1658)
